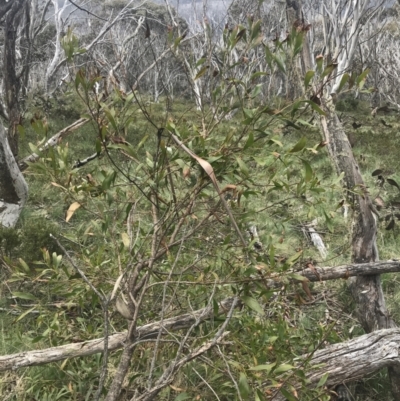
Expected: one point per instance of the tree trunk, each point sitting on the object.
(12, 80)
(297, 67)
(13, 188)
(366, 290)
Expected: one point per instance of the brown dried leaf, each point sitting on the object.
(71, 210)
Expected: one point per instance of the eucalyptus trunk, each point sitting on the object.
(11, 77)
(13, 188)
(366, 290)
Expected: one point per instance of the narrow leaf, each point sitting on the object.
(288, 396)
(393, 182)
(268, 367)
(182, 397)
(201, 72)
(249, 142)
(23, 295)
(343, 81)
(308, 170)
(244, 387)
(315, 107)
(323, 380)
(308, 77)
(329, 69)
(283, 368)
(242, 166)
(252, 303)
(299, 146)
(20, 317)
(360, 81)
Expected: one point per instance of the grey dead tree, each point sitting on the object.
(343, 22)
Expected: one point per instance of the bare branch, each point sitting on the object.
(86, 10)
(53, 141)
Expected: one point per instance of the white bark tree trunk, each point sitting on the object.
(13, 187)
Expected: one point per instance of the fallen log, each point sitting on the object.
(354, 359)
(345, 271)
(115, 341)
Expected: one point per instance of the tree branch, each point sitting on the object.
(53, 141)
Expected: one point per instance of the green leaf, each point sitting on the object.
(294, 258)
(20, 317)
(297, 277)
(200, 62)
(24, 265)
(328, 69)
(298, 43)
(242, 166)
(268, 367)
(201, 72)
(268, 56)
(253, 304)
(256, 91)
(110, 116)
(308, 170)
(323, 380)
(360, 81)
(255, 31)
(315, 107)
(329, 221)
(280, 63)
(343, 81)
(288, 396)
(308, 77)
(98, 146)
(248, 113)
(182, 397)
(249, 142)
(260, 395)
(258, 74)
(244, 387)
(299, 146)
(283, 368)
(177, 42)
(23, 295)
(33, 148)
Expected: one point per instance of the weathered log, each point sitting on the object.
(352, 270)
(354, 359)
(358, 357)
(115, 341)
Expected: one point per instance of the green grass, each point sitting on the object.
(278, 225)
